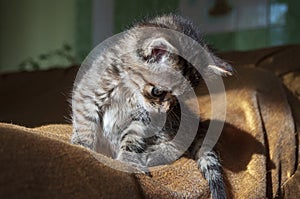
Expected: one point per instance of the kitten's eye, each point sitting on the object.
(156, 92)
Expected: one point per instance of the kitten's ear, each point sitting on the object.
(158, 50)
(220, 67)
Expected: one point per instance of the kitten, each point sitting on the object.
(131, 110)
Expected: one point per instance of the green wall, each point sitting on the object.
(31, 29)
(282, 30)
(129, 11)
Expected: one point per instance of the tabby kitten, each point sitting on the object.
(130, 111)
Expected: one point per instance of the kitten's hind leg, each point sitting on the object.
(211, 169)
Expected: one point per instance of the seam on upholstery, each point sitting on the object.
(258, 62)
(269, 185)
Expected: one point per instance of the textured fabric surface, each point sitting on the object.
(39, 163)
(259, 145)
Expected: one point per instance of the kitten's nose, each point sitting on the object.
(165, 106)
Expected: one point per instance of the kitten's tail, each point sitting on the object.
(212, 171)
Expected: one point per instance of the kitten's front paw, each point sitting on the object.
(162, 154)
(135, 160)
(157, 159)
(140, 168)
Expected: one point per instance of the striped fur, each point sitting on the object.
(112, 109)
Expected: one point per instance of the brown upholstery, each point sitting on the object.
(259, 145)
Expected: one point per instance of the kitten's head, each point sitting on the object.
(154, 73)
(159, 74)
